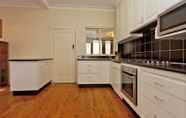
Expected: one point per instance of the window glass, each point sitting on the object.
(88, 48)
(99, 41)
(108, 47)
(96, 47)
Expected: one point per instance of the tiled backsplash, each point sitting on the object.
(156, 49)
(163, 50)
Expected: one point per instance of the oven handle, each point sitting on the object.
(129, 74)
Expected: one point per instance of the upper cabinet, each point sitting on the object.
(132, 14)
(164, 4)
(121, 20)
(137, 13)
(151, 9)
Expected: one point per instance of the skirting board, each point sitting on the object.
(34, 92)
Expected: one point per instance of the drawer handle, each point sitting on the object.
(159, 99)
(158, 84)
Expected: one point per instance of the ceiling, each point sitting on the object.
(100, 4)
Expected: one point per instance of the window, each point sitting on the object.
(99, 41)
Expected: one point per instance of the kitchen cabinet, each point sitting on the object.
(151, 9)
(138, 14)
(165, 4)
(29, 75)
(122, 20)
(162, 94)
(133, 14)
(115, 78)
(93, 72)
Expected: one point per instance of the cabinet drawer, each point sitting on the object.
(87, 78)
(171, 104)
(87, 70)
(167, 85)
(88, 67)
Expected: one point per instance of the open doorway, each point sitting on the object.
(4, 67)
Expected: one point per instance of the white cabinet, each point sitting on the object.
(162, 94)
(132, 14)
(151, 9)
(115, 77)
(29, 75)
(122, 20)
(138, 17)
(93, 72)
(165, 4)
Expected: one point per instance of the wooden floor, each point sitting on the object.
(65, 101)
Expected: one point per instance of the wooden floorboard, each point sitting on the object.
(65, 101)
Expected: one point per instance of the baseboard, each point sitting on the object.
(93, 85)
(130, 108)
(34, 92)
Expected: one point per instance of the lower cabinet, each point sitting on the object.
(163, 94)
(115, 77)
(29, 75)
(93, 72)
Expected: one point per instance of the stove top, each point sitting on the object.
(165, 65)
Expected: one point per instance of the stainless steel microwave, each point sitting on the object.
(173, 20)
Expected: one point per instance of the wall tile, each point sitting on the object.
(177, 56)
(176, 44)
(164, 45)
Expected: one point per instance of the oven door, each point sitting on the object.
(172, 20)
(129, 86)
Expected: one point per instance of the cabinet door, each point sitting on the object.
(104, 69)
(151, 9)
(138, 12)
(130, 15)
(165, 4)
(113, 75)
(118, 81)
(122, 19)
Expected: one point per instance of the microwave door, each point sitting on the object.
(173, 19)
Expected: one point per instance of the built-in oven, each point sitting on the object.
(129, 83)
(173, 20)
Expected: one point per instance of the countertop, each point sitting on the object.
(34, 59)
(94, 59)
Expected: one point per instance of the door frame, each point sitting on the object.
(53, 29)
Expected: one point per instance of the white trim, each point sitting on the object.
(2, 40)
(84, 8)
(64, 7)
(19, 6)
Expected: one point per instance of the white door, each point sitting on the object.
(64, 56)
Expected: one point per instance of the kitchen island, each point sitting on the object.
(29, 76)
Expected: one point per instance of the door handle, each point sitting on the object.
(73, 46)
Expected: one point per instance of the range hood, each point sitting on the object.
(131, 37)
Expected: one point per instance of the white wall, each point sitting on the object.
(29, 30)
